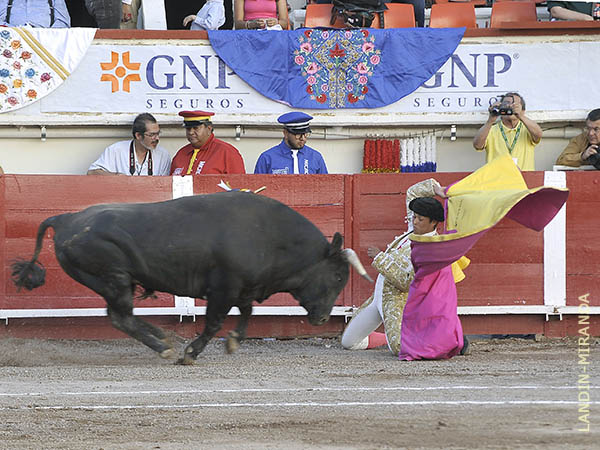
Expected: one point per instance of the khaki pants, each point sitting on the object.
(135, 8)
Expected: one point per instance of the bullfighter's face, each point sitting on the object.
(423, 224)
(198, 135)
(150, 138)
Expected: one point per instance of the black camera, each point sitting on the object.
(502, 110)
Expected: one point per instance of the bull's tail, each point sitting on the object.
(32, 274)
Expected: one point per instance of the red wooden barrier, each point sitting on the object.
(369, 209)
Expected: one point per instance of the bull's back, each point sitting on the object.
(241, 232)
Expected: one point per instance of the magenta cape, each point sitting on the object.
(431, 328)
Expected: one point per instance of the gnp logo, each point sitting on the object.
(120, 72)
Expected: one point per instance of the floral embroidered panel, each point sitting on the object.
(35, 61)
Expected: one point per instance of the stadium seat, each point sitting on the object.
(319, 15)
(399, 15)
(473, 2)
(452, 15)
(514, 11)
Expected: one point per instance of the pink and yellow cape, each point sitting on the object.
(431, 328)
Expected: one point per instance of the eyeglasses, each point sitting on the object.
(595, 130)
(300, 135)
(152, 135)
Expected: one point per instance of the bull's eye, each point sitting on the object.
(338, 278)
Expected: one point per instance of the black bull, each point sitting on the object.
(230, 248)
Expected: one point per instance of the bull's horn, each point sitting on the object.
(352, 258)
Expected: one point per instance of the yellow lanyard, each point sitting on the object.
(192, 161)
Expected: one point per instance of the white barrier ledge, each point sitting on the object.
(345, 311)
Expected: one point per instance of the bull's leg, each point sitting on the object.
(239, 334)
(141, 330)
(118, 293)
(117, 288)
(215, 316)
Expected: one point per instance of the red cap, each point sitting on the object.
(193, 118)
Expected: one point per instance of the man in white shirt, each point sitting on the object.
(140, 156)
(210, 17)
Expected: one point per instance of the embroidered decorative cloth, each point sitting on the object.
(331, 68)
(35, 61)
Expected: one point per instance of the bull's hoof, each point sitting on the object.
(232, 343)
(185, 361)
(167, 354)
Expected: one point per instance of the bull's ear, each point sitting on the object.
(336, 243)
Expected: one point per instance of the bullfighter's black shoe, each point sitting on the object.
(465, 350)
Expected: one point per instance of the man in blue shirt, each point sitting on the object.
(37, 13)
(292, 156)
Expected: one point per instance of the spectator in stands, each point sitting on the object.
(570, 10)
(210, 17)
(36, 13)
(387, 303)
(176, 11)
(418, 7)
(140, 156)
(96, 13)
(1, 171)
(582, 147)
(292, 155)
(514, 133)
(261, 15)
(204, 154)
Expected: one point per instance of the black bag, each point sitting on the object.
(358, 13)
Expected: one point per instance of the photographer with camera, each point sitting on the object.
(514, 133)
(584, 148)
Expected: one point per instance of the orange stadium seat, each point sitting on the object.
(399, 15)
(515, 11)
(452, 15)
(473, 2)
(319, 15)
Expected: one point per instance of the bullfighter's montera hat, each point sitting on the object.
(295, 122)
(428, 207)
(195, 118)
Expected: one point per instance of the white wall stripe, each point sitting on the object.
(307, 389)
(306, 404)
(555, 259)
(192, 311)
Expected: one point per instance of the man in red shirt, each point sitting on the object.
(204, 154)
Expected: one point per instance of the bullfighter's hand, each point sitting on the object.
(439, 191)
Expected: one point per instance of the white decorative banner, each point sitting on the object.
(557, 79)
(35, 61)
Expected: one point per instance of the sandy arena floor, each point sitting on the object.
(297, 394)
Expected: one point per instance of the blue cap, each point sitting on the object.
(296, 122)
